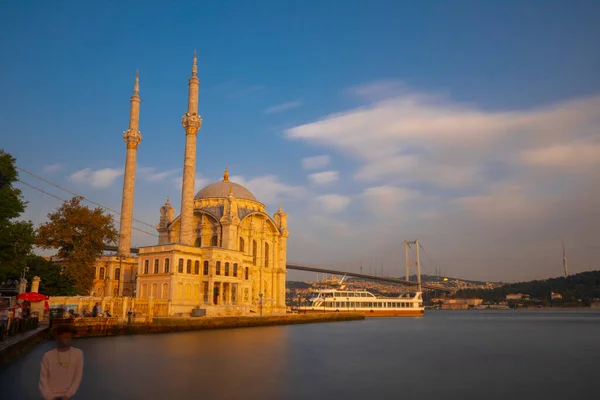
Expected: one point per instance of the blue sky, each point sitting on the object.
(471, 125)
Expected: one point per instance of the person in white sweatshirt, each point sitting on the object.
(61, 368)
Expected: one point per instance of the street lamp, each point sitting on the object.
(24, 272)
(261, 303)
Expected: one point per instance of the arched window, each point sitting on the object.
(101, 273)
(218, 269)
(226, 269)
(266, 254)
(246, 273)
(213, 241)
(167, 265)
(254, 251)
(165, 291)
(189, 267)
(197, 267)
(241, 244)
(180, 266)
(154, 292)
(146, 266)
(156, 263)
(205, 272)
(235, 271)
(144, 291)
(117, 274)
(198, 242)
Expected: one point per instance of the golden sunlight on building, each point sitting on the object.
(223, 254)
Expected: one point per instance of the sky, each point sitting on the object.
(471, 126)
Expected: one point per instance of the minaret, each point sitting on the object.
(192, 122)
(132, 137)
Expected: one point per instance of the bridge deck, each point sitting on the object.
(308, 268)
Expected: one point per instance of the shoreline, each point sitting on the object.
(92, 327)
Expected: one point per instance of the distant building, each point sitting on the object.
(516, 296)
(555, 296)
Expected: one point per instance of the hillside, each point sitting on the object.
(584, 286)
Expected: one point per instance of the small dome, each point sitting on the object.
(221, 189)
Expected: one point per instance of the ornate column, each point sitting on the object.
(192, 122)
(132, 138)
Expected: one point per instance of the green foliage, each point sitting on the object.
(53, 281)
(16, 237)
(79, 234)
(584, 286)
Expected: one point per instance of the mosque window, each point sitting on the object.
(197, 267)
(101, 273)
(198, 242)
(213, 241)
(156, 264)
(226, 269)
(235, 271)
(167, 265)
(146, 266)
(218, 269)
(266, 254)
(165, 291)
(254, 251)
(246, 273)
(205, 272)
(144, 291)
(189, 267)
(241, 244)
(117, 274)
(180, 266)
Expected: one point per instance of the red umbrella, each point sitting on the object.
(32, 296)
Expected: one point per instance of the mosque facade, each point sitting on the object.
(224, 254)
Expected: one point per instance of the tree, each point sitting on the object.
(53, 281)
(16, 237)
(79, 234)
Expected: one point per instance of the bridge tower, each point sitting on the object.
(417, 262)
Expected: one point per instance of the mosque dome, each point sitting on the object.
(222, 189)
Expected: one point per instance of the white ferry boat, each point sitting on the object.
(361, 301)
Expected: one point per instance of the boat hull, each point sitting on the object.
(372, 313)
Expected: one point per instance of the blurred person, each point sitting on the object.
(61, 368)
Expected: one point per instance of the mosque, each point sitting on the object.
(223, 254)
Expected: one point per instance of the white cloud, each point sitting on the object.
(315, 162)
(269, 189)
(423, 137)
(283, 107)
(571, 156)
(322, 178)
(101, 178)
(384, 200)
(333, 202)
(151, 174)
(49, 169)
(496, 189)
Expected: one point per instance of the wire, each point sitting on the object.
(427, 255)
(424, 267)
(83, 197)
(63, 200)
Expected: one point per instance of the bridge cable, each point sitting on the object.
(78, 195)
(429, 258)
(63, 200)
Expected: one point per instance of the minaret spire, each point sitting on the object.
(132, 138)
(192, 122)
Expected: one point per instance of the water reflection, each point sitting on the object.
(466, 355)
